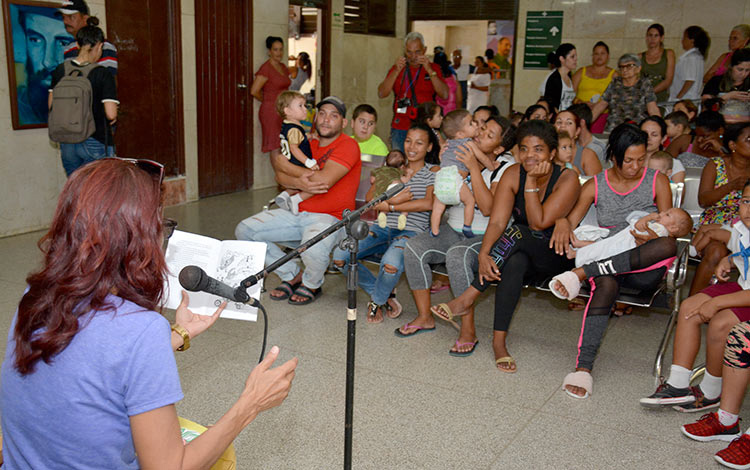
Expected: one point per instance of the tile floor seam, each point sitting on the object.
(517, 434)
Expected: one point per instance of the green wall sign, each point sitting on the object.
(543, 33)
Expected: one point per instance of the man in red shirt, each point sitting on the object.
(334, 187)
(413, 79)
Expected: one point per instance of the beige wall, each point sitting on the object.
(31, 174)
(360, 62)
(622, 25)
(468, 35)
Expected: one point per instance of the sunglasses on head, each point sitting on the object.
(155, 169)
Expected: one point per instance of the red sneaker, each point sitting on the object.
(737, 454)
(709, 428)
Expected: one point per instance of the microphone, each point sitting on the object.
(195, 279)
(389, 193)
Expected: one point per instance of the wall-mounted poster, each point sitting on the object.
(500, 37)
(35, 38)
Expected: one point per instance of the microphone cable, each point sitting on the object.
(265, 331)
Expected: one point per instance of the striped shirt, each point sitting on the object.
(418, 184)
(107, 60)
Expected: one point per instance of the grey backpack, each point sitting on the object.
(71, 118)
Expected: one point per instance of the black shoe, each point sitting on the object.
(701, 403)
(668, 395)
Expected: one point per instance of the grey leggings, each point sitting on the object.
(450, 247)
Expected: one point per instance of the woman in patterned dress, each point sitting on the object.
(628, 97)
(720, 190)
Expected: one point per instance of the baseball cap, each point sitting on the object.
(70, 7)
(336, 102)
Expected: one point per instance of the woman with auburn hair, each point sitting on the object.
(94, 297)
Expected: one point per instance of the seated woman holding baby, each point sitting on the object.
(616, 192)
(535, 193)
(400, 218)
(451, 246)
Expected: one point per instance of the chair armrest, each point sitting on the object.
(678, 271)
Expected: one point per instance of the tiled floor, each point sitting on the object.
(416, 407)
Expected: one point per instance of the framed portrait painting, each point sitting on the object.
(35, 39)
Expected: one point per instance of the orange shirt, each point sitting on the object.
(344, 151)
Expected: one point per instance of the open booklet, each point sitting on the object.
(229, 261)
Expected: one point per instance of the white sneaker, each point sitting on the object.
(284, 201)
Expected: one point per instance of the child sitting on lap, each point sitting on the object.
(386, 176)
(663, 162)
(673, 222)
(294, 145)
(450, 188)
(565, 155)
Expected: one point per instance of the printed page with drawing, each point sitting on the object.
(228, 261)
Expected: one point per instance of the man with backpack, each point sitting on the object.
(83, 103)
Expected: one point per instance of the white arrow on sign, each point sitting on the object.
(554, 31)
(544, 13)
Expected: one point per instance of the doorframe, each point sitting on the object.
(325, 7)
(175, 57)
(174, 34)
(249, 99)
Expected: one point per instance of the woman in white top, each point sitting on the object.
(688, 74)
(479, 85)
(559, 91)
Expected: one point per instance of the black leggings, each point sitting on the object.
(521, 254)
(606, 277)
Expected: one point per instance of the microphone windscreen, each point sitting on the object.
(190, 278)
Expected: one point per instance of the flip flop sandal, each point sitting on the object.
(418, 330)
(577, 304)
(372, 310)
(393, 312)
(464, 353)
(308, 294)
(506, 360)
(439, 288)
(442, 311)
(287, 288)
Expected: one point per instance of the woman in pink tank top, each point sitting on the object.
(738, 38)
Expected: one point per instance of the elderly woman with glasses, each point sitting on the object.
(629, 96)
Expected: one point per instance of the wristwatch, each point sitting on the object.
(391, 208)
(185, 336)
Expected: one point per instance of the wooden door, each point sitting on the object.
(149, 80)
(223, 32)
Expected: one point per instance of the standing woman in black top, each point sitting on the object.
(104, 102)
(536, 193)
(559, 91)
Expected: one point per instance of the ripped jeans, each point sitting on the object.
(390, 243)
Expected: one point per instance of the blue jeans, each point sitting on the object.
(77, 155)
(279, 225)
(390, 243)
(398, 137)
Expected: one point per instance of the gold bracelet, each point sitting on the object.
(185, 336)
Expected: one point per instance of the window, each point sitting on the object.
(370, 17)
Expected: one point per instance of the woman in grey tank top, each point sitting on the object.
(615, 192)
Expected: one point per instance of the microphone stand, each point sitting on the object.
(356, 230)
